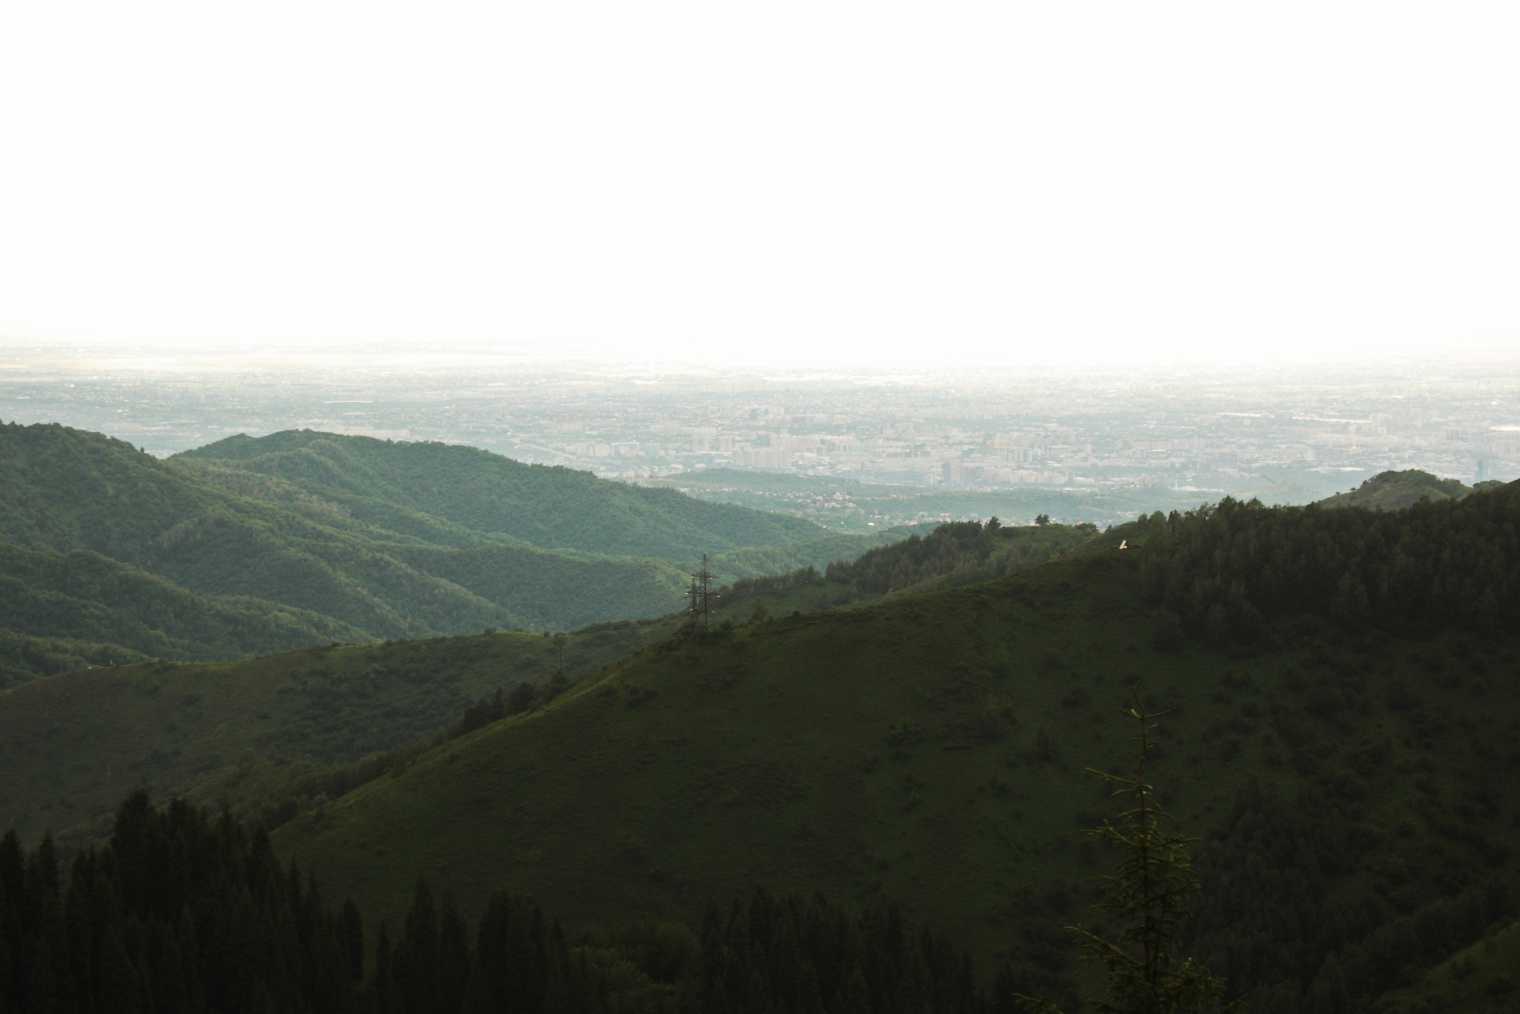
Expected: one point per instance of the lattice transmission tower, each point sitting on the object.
(701, 593)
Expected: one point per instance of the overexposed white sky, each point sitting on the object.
(811, 182)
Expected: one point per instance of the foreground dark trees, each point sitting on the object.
(177, 914)
(181, 914)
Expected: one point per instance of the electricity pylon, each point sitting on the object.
(701, 593)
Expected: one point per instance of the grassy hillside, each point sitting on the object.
(1482, 977)
(1393, 491)
(932, 749)
(549, 507)
(72, 745)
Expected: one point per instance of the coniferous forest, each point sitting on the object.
(180, 914)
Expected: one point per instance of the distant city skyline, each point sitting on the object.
(854, 450)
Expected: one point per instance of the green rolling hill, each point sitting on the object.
(258, 545)
(389, 485)
(1393, 491)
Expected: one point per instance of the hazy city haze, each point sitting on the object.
(854, 449)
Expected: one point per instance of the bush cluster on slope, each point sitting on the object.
(24, 658)
(954, 554)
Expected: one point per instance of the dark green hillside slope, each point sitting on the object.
(1396, 490)
(758, 561)
(70, 490)
(556, 589)
(950, 556)
(83, 595)
(549, 507)
(932, 749)
(72, 745)
(23, 658)
(1480, 978)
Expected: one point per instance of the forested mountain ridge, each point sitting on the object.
(332, 559)
(1227, 568)
(84, 596)
(69, 490)
(546, 506)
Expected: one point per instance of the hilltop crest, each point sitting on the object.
(389, 484)
(1396, 490)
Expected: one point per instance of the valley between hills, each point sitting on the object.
(493, 686)
(254, 546)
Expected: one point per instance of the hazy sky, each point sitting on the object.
(798, 181)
